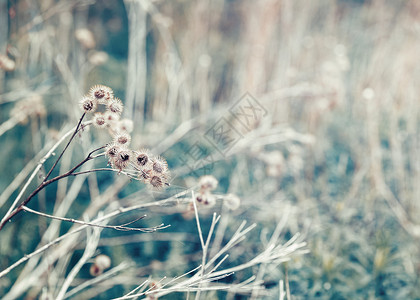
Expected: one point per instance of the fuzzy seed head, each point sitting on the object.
(122, 138)
(115, 106)
(112, 150)
(125, 125)
(101, 93)
(232, 201)
(208, 183)
(157, 181)
(122, 159)
(206, 198)
(103, 261)
(88, 104)
(159, 165)
(95, 270)
(142, 158)
(111, 119)
(99, 120)
(124, 156)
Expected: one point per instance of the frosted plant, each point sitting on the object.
(122, 159)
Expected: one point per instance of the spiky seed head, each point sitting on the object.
(125, 125)
(88, 104)
(101, 93)
(156, 181)
(159, 165)
(142, 158)
(111, 118)
(124, 155)
(206, 198)
(99, 120)
(115, 106)
(232, 201)
(210, 200)
(112, 150)
(103, 261)
(122, 138)
(100, 263)
(199, 198)
(122, 159)
(208, 183)
(95, 270)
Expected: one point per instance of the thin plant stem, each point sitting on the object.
(117, 212)
(38, 167)
(65, 148)
(121, 227)
(93, 239)
(9, 124)
(43, 185)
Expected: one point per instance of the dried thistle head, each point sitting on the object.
(112, 150)
(157, 181)
(115, 106)
(94, 270)
(101, 93)
(122, 159)
(99, 120)
(125, 125)
(111, 119)
(102, 261)
(232, 201)
(159, 165)
(142, 158)
(206, 198)
(122, 138)
(88, 104)
(207, 183)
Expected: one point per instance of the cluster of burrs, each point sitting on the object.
(141, 164)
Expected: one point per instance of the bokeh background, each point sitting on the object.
(334, 152)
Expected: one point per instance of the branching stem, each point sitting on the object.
(48, 182)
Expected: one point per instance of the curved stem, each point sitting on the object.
(65, 148)
(46, 183)
(36, 170)
(122, 227)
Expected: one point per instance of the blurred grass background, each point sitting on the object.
(338, 149)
